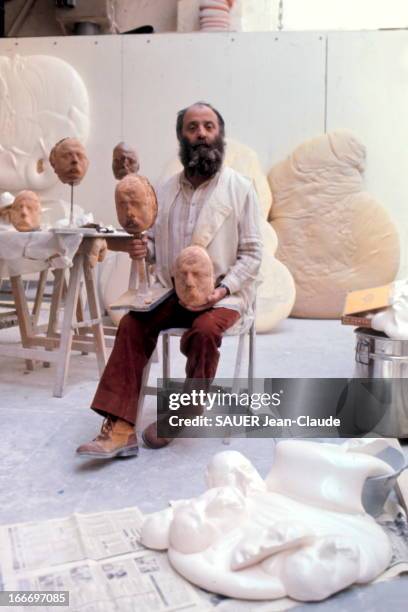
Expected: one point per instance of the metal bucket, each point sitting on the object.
(379, 405)
(377, 356)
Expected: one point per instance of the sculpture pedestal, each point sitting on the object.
(140, 301)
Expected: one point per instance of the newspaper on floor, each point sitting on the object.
(98, 558)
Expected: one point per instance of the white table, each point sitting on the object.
(53, 345)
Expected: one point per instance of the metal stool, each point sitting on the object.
(247, 329)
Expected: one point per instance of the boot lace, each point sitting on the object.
(106, 429)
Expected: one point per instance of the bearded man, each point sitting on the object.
(208, 205)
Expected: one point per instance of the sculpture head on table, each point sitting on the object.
(125, 161)
(136, 203)
(25, 212)
(194, 276)
(69, 160)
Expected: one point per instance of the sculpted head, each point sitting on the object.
(136, 203)
(194, 276)
(69, 160)
(124, 161)
(25, 212)
(233, 469)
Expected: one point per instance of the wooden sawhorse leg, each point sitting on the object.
(23, 314)
(67, 332)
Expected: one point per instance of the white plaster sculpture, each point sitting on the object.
(42, 99)
(290, 535)
(333, 236)
(245, 160)
(6, 200)
(393, 321)
(276, 293)
(215, 15)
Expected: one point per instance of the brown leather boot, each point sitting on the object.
(151, 439)
(116, 439)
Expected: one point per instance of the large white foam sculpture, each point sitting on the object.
(301, 533)
(42, 99)
(333, 236)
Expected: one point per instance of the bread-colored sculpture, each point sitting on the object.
(333, 236)
(136, 203)
(246, 161)
(25, 212)
(95, 250)
(276, 294)
(125, 161)
(193, 276)
(305, 538)
(69, 160)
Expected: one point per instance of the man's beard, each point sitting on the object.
(202, 159)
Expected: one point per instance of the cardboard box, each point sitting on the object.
(359, 304)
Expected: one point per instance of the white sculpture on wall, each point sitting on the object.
(42, 100)
(305, 538)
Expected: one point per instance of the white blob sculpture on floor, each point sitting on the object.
(290, 535)
(333, 236)
(42, 99)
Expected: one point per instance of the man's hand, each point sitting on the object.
(135, 247)
(218, 294)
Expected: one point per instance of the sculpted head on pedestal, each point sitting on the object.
(136, 203)
(125, 161)
(194, 276)
(69, 160)
(25, 212)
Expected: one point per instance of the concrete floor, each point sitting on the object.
(41, 478)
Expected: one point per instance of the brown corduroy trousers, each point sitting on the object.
(119, 388)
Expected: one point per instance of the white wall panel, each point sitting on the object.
(270, 88)
(368, 93)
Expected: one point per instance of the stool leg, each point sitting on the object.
(251, 358)
(142, 395)
(237, 371)
(166, 356)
